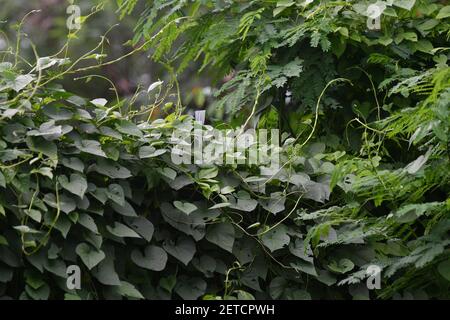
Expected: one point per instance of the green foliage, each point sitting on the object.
(364, 178)
(84, 184)
(386, 134)
(297, 46)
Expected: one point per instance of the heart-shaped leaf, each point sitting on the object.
(116, 194)
(208, 173)
(344, 265)
(126, 210)
(154, 258)
(89, 255)
(150, 152)
(21, 82)
(142, 226)
(185, 207)
(76, 185)
(221, 234)
(128, 290)
(106, 273)
(73, 163)
(190, 288)
(276, 238)
(86, 221)
(183, 249)
(92, 147)
(122, 231)
(112, 169)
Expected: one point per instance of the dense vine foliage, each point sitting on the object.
(365, 177)
(376, 99)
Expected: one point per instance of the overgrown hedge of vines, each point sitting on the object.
(365, 177)
(85, 185)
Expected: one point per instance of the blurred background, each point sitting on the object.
(47, 30)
